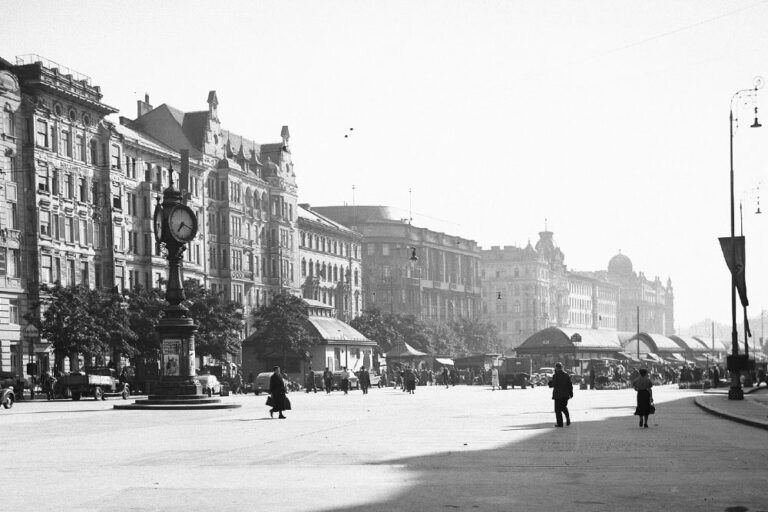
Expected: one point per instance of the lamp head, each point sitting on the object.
(756, 124)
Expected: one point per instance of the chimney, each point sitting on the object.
(142, 107)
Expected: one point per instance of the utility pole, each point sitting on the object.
(638, 333)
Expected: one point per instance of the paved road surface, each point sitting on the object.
(464, 448)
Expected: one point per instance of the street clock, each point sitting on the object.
(182, 223)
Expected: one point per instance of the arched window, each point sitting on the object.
(517, 272)
(335, 273)
(311, 268)
(357, 275)
(248, 197)
(303, 268)
(264, 201)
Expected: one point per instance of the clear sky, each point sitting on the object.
(609, 118)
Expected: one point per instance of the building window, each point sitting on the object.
(13, 311)
(14, 263)
(115, 156)
(66, 142)
(45, 223)
(41, 138)
(46, 269)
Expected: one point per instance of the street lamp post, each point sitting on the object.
(736, 392)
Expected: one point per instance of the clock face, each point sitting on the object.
(158, 223)
(182, 223)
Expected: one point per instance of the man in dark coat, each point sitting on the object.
(277, 392)
(562, 390)
(328, 380)
(365, 380)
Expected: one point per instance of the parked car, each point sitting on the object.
(354, 382)
(7, 395)
(210, 384)
(547, 372)
(261, 384)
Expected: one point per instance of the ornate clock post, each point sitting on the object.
(175, 225)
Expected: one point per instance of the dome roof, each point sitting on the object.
(620, 264)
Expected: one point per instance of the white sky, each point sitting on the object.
(609, 118)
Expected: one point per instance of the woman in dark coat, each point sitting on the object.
(410, 381)
(643, 387)
(277, 394)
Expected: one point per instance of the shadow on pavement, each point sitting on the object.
(687, 460)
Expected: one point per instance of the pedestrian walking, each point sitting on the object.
(562, 390)
(445, 377)
(237, 384)
(643, 387)
(310, 385)
(495, 379)
(328, 380)
(345, 380)
(410, 380)
(278, 399)
(591, 377)
(365, 380)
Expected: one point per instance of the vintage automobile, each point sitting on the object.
(96, 381)
(261, 384)
(209, 383)
(515, 371)
(354, 382)
(7, 395)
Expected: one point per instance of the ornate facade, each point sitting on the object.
(529, 289)
(83, 187)
(331, 267)
(413, 270)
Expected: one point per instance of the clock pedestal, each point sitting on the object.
(179, 388)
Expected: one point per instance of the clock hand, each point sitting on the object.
(181, 226)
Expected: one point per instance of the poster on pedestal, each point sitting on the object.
(171, 355)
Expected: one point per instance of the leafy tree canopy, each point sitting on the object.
(281, 327)
(219, 321)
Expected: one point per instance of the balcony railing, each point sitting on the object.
(33, 58)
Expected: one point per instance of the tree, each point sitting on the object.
(376, 327)
(69, 320)
(145, 309)
(219, 321)
(111, 317)
(476, 336)
(281, 328)
(442, 339)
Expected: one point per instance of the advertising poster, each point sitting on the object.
(171, 355)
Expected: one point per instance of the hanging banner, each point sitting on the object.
(735, 258)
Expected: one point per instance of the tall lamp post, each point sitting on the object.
(735, 363)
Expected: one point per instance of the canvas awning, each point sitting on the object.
(677, 357)
(627, 356)
(404, 350)
(444, 361)
(650, 356)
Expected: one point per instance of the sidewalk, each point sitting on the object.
(753, 410)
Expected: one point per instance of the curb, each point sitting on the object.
(733, 417)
